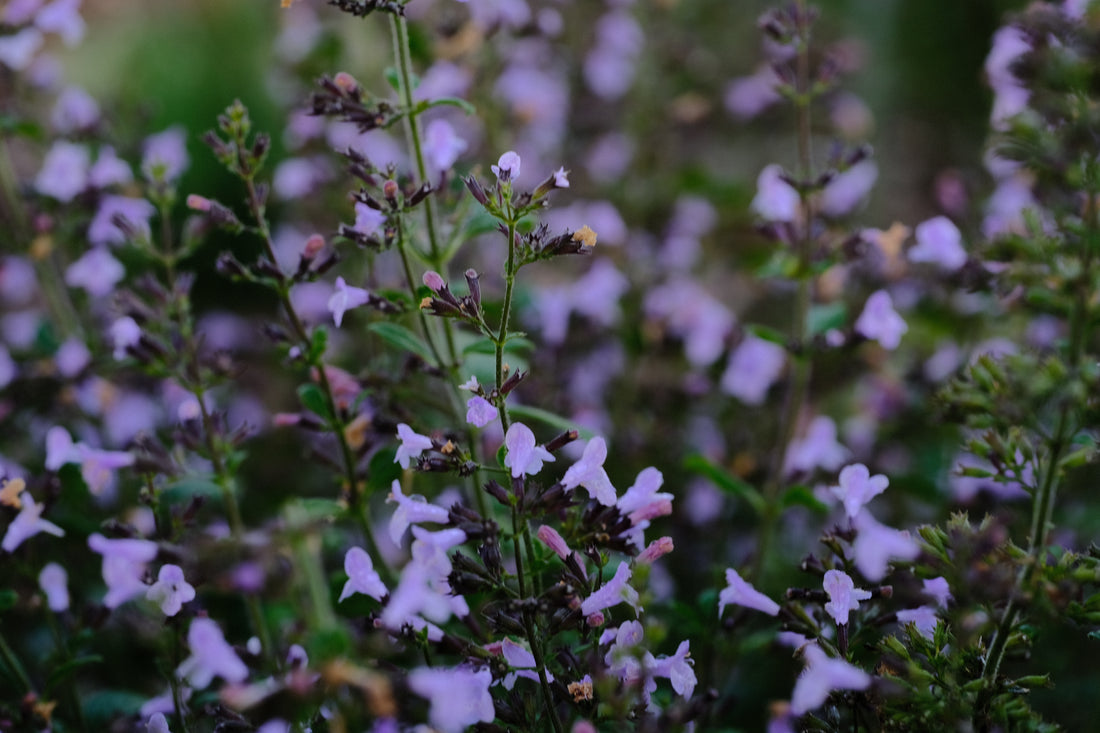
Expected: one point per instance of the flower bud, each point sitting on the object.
(434, 281)
(198, 203)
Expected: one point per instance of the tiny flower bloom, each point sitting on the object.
(821, 676)
(96, 271)
(74, 110)
(344, 299)
(470, 384)
(507, 168)
(561, 178)
(125, 332)
(523, 662)
(362, 577)
(63, 18)
(938, 589)
(415, 597)
(613, 592)
(170, 591)
(523, 455)
(412, 510)
(589, 473)
(843, 595)
(775, 200)
(678, 669)
(740, 592)
(818, 448)
(27, 524)
(53, 580)
(434, 281)
(880, 322)
(480, 412)
(940, 242)
(857, 487)
(441, 145)
(59, 448)
(18, 50)
(368, 220)
(109, 169)
(753, 368)
(876, 544)
(71, 357)
(165, 155)
(459, 697)
(136, 214)
(412, 445)
(847, 190)
(64, 171)
(923, 617)
(157, 724)
(211, 656)
(586, 236)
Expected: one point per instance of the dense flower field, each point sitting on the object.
(535, 365)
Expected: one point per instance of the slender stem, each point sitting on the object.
(506, 309)
(540, 664)
(12, 662)
(410, 282)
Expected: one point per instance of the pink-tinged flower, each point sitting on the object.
(125, 332)
(18, 50)
(818, 448)
(678, 669)
(552, 539)
(613, 592)
(842, 194)
(939, 242)
(480, 412)
(412, 445)
(211, 656)
(589, 473)
(64, 171)
(821, 676)
(753, 368)
(522, 661)
(843, 595)
(740, 592)
(857, 487)
(434, 281)
(97, 272)
(344, 299)
(523, 456)
(362, 577)
(507, 168)
(643, 502)
(924, 617)
(441, 145)
(657, 548)
(938, 590)
(412, 510)
(459, 697)
(171, 590)
(54, 582)
(165, 155)
(27, 524)
(109, 169)
(368, 220)
(880, 322)
(775, 200)
(876, 544)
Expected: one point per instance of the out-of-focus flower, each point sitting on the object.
(54, 582)
(362, 577)
(64, 171)
(923, 617)
(96, 271)
(480, 412)
(523, 455)
(880, 322)
(109, 169)
(344, 298)
(368, 219)
(63, 18)
(171, 590)
(938, 590)
(411, 510)
(753, 368)
(818, 448)
(18, 50)
(842, 194)
(165, 155)
(775, 200)
(940, 242)
(459, 697)
(74, 110)
(27, 524)
(125, 332)
(822, 675)
(857, 487)
(740, 592)
(124, 563)
(136, 214)
(748, 96)
(442, 145)
(876, 544)
(211, 656)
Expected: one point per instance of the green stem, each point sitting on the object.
(506, 309)
(12, 662)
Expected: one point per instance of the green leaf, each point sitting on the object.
(726, 481)
(393, 78)
(313, 399)
(103, 707)
(802, 496)
(526, 413)
(184, 489)
(767, 333)
(11, 125)
(382, 470)
(402, 338)
(462, 104)
(8, 599)
(63, 671)
(486, 346)
(825, 317)
(317, 344)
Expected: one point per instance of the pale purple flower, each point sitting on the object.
(54, 582)
(8, 368)
(27, 524)
(876, 544)
(522, 662)
(298, 177)
(18, 12)
(1004, 209)
(753, 368)
(429, 550)
(1010, 44)
(18, 50)
(442, 145)
(368, 220)
(818, 448)
(344, 298)
(821, 676)
(136, 213)
(523, 456)
(74, 110)
(480, 412)
(59, 448)
(63, 18)
(211, 656)
(642, 501)
(589, 473)
(656, 549)
(508, 167)
(414, 597)
(470, 384)
(740, 592)
(561, 178)
(64, 171)
(677, 668)
(748, 96)
(775, 200)
(125, 332)
(552, 539)
(165, 155)
(362, 577)
(612, 593)
(857, 487)
(411, 510)
(843, 595)
(842, 194)
(924, 617)
(109, 169)
(157, 724)
(97, 467)
(97, 272)
(938, 590)
(412, 445)
(434, 281)
(171, 590)
(459, 697)
(940, 242)
(880, 322)
(124, 562)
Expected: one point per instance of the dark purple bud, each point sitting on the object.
(478, 192)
